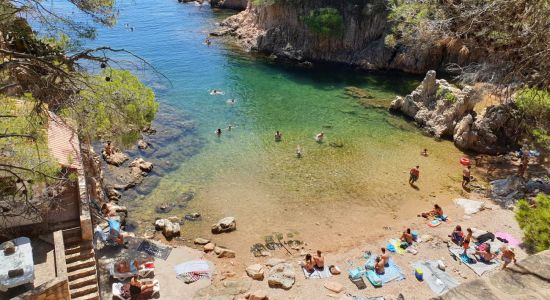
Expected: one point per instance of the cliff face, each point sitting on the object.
(229, 4)
(280, 29)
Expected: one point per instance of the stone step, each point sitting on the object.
(81, 264)
(75, 231)
(77, 247)
(71, 240)
(85, 290)
(83, 281)
(83, 254)
(93, 296)
(64, 225)
(83, 272)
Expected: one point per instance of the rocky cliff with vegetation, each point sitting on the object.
(354, 32)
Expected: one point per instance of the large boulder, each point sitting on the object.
(494, 131)
(168, 228)
(281, 276)
(255, 271)
(143, 165)
(436, 105)
(115, 159)
(226, 224)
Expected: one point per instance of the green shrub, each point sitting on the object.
(535, 222)
(450, 97)
(390, 41)
(325, 21)
(535, 107)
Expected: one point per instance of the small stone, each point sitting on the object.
(201, 241)
(226, 224)
(426, 238)
(142, 144)
(174, 219)
(226, 253)
(209, 247)
(334, 286)
(160, 224)
(255, 271)
(257, 295)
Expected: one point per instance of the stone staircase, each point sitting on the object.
(81, 266)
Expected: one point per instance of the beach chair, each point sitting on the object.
(118, 293)
(145, 271)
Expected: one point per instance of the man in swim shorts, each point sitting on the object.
(466, 176)
(415, 173)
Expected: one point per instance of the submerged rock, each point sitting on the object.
(226, 224)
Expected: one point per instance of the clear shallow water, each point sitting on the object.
(245, 173)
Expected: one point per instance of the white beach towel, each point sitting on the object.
(477, 266)
(470, 206)
(317, 273)
(439, 281)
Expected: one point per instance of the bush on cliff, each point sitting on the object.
(535, 107)
(325, 21)
(535, 222)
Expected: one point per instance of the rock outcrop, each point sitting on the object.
(116, 158)
(278, 28)
(255, 271)
(496, 130)
(445, 111)
(168, 228)
(436, 105)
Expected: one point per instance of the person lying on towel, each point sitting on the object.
(132, 266)
(139, 290)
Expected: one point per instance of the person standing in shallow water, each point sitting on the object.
(414, 174)
(219, 132)
(278, 136)
(466, 177)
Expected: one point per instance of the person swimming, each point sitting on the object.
(216, 92)
(319, 137)
(230, 101)
(219, 132)
(229, 128)
(299, 151)
(278, 136)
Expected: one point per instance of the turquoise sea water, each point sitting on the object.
(244, 172)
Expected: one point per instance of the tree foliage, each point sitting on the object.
(325, 21)
(535, 106)
(535, 222)
(508, 41)
(119, 105)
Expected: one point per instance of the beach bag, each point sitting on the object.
(390, 247)
(359, 282)
(374, 279)
(414, 235)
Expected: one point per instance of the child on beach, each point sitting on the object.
(414, 174)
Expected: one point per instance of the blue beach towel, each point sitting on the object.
(391, 271)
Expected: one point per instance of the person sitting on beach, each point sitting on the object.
(309, 265)
(319, 137)
(278, 136)
(437, 212)
(111, 210)
(467, 239)
(138, 288)
(131, 266)
(379, 265)
(385, 256)
(457, 236)
(414, 174)
(319, 260)
(424, 152)
(407, 237)
(508, 256)
(219, 132)
(485, 255)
